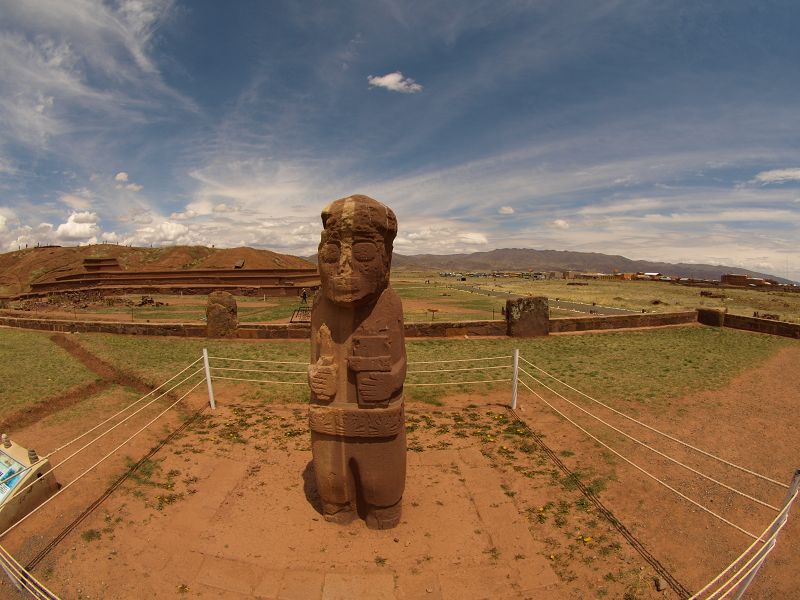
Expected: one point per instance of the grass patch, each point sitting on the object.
(33, 368)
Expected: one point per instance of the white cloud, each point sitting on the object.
(223, 208)
(182, 216)
(560, 224)
(395, 82)
(3, 222)
(134, 187)
(140, 216)
(79, 226)
(778, 176)
(165, 232)
(122, 176)
(76, 202)
(506, 210)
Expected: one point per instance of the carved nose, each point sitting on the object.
(345, 260)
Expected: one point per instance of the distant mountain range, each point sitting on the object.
(525, 259)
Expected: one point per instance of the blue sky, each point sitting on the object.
(660, 130)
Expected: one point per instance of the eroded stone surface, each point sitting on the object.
(527, 317)
(221, 315)
(358, 365)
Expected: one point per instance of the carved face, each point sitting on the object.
(352, 270)
(355, 251)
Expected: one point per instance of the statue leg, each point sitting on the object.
(334, 479)
(380, 466)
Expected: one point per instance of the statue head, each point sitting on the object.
(355, 252)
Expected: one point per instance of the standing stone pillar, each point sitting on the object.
(221, 315)
(358, 366)
(527, 317)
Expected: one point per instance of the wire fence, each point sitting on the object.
(19, 576)
(736, 577)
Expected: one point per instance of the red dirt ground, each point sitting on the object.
(229, 509)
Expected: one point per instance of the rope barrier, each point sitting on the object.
(641, 443)
(653, 429)
(105, 433)
(112, 417)
(454, 382)
(463, 369)
(106, 457)
(273, 362)
(653, 477)
(261, 380)
(430, 362)
(781, 516)
(592, 496)
(52, 452)
(257, 370)
(741, 575)
(25, 579)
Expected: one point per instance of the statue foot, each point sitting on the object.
(336, 513)
(385, 517)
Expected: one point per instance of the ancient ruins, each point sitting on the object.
(358, 366)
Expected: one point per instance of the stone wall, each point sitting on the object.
(455, 328)
(429, 329)
(170, 329)
(594, 323)
(721, 319)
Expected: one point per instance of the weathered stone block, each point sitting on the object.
(221, 315)
(527, 317)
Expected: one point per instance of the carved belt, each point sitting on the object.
(357, 422)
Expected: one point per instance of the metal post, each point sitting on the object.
(514, 381)
(208, 380)
(745, 583)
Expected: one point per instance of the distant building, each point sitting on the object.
(738, 280)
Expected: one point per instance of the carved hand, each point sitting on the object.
(375, 386)
(322, 378)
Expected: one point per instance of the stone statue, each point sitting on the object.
(358, 365)
(221, 315)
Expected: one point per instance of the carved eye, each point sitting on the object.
(330, 253)
(364, 251)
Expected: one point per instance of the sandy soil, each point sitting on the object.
(229, 510)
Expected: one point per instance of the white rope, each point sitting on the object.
(257, 370)
(641, 443)
(68, 485)
(666, 485)
(464, 369)
(454, 382)
(261, 380)
(24, 577)
(653, 429)
(745, 575)
(273, 362)
(430, 362)
(781, 515)
(112, 417)
(105, 433)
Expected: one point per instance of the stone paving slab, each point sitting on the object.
(376, 586)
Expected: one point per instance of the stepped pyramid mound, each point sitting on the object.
(120, 269)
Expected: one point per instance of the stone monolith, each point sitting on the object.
(358, 366)
(221, 315)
